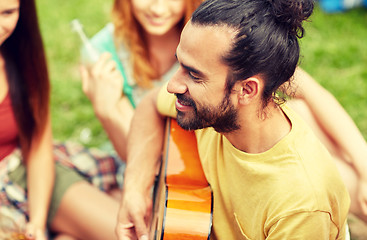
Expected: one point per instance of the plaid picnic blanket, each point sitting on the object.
(99, 168)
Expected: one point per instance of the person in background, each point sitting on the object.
(338, 132)
(251, 144)
(42, 188)
(141, 41)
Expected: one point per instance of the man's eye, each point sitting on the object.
(192, 76)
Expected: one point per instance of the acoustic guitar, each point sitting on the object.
(183, 198)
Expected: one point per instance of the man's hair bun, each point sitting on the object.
(292, 13)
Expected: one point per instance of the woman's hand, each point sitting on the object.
(103, 85)
(35, 233)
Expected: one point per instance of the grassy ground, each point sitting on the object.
(72, 114)
(334, 52)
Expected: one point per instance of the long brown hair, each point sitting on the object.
(128, 30)
(27, 74)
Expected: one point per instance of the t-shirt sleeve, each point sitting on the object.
(305, 225)
(166, 102)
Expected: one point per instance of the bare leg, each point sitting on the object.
(348, 173)
(116, 194)
(86, 213)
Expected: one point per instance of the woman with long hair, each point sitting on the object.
(142, 40)
(25, 129)
(41, 188)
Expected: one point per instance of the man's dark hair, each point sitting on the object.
(266, 41)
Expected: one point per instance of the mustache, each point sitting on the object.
(185, 100)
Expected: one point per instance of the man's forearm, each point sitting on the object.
(145, 143)
(117, 126)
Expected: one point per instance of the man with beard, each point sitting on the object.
(270, 176)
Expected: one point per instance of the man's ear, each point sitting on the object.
(248, 90)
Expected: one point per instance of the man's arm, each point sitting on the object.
(145, 143)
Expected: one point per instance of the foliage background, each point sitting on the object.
(334, 52)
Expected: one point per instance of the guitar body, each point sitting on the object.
(183, 198)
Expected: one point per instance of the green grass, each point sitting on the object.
(72, 112)
(334, 52)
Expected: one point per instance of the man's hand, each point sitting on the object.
(134, 216)
(145, 144)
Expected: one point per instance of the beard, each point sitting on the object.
(222, 118)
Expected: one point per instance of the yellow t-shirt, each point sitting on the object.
(291, 191)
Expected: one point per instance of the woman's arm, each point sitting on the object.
(347, 141)
(334, 120)
(40, 181)
(103, 85)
